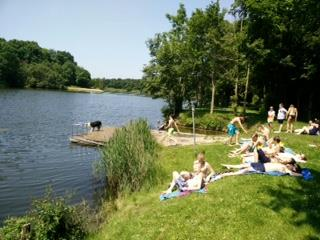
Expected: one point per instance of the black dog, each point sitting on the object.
(94, 125)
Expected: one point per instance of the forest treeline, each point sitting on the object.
(269, 53)
(26, 64)
(127, 84)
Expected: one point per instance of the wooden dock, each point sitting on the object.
(95, 138)
(99, 138)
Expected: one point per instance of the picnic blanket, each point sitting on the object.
(179, 193)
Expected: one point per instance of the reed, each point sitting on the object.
(129, 159)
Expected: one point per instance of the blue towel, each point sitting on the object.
(289, 150)
(178, 193)
(269, 173)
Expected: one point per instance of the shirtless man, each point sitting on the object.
(292, 116)
(292, 169)
(281, 116)
(233, 131)
(271, 116)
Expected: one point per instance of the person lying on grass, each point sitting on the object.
(247, 147)
(185, 181)
(292, 169)
(312, 129)
(233, 131)
(202, 166)
(280, 157)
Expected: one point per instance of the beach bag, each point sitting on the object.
(307, 175)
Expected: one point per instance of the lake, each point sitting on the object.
(35, 126)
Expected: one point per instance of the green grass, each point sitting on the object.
(239, 207)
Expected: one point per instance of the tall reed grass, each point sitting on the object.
(129, 159)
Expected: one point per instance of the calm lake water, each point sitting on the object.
(35, 152)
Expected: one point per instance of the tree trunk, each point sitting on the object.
(212, 93)
(246, 90)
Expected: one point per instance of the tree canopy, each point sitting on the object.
(269, 54)
(26, 64)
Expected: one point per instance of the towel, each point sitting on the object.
(178, 193)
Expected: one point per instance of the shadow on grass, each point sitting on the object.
(303, 198)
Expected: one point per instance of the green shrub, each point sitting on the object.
(129, 159)
(215, 121)
(50, 218)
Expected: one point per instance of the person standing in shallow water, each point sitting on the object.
(233, 131)
(281, 116)
(292, 116)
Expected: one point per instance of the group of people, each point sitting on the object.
(192, 180)
(265, 154)
(262, 153)
(291, 115)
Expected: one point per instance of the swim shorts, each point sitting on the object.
(232, 130)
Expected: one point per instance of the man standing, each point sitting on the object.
(281, 116)
(271, 116)
(292, 116)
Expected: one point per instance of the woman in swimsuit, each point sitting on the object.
(203, 167)
(233, 131)
(292, 116)
(292, 169)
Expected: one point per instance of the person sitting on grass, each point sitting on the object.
(203, 167)
(293, 169)
(247, 147)
(312, 129)
(264, 131)
(274, 146)
(185, 181)
(233, 131)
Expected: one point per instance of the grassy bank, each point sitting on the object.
(84, 90)
(242, 207)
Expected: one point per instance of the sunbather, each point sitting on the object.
(203, 167)
(292, 169)
(247, 147)
(185, 181)
(264, 131)
(274, 146)
(289, 157)
(312, 129)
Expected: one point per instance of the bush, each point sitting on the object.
(50, 218)
(215, 121)
(129, 159)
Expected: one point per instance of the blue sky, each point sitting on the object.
(106, 37)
